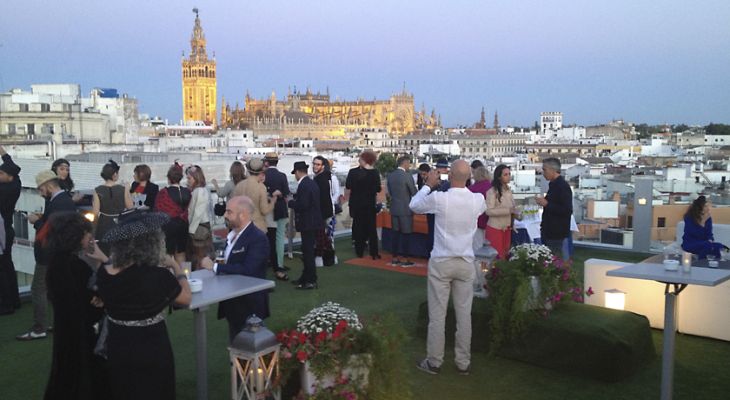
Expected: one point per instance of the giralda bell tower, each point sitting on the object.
(198, 80)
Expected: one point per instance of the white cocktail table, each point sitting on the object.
(676, 280)
(216, 288)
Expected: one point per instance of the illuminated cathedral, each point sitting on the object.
(315, 115)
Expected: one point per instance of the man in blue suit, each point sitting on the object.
(246, 254)
(308, 220)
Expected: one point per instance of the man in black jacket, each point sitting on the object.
(557, 207)
(308, 220)
(57, 200)
(9, 194)
(323, 177)
(276, 180)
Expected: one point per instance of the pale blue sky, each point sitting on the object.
(644, 61)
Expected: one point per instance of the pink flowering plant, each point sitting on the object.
(532, 281)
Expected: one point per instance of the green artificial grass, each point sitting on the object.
(700, 366)
(580, 339)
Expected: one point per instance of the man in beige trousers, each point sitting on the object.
(451, 266)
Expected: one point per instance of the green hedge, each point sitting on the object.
(597, 342)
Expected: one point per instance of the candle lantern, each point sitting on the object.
(686, 261)
(254, 355)
(484, 259)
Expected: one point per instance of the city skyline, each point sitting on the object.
(593, 62)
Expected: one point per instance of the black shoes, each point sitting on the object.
(376, 257)
(306, 286)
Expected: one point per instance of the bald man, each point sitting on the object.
(451, 266)
(246, 254)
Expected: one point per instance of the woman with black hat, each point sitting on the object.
(136, 292)
(110, 199)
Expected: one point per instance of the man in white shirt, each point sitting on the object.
(451, 265)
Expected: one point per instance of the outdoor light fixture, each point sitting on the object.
(254, 356)
(89, 216)
(642, 201)
(615, 299)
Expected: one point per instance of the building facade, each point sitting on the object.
(199, 83)
(316, 116)
(58, 112)
(550, 121)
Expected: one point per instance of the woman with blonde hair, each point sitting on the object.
(201, 236)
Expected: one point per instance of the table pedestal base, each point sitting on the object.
(670, 329)
(201, 352)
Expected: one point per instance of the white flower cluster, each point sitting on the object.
(533, 252)
(326, 317)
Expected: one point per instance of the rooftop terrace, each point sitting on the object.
(700, 366)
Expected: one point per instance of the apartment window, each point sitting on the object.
(20, 224)
(11, 129)
(661, 222)
(45, 107)
(31, 129)
(23, 107)
(47, 129)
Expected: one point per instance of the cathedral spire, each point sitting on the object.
(197, 40)
(496, 121)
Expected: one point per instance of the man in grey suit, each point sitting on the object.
(401, 188)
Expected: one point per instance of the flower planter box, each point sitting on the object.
(357, 368)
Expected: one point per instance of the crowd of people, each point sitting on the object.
(109, 296)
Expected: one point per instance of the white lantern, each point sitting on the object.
(484, 258)
(615, 299)
(254, 356)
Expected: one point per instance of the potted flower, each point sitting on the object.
(339, 357)
(531, 281)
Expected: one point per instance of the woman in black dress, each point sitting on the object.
(136, 291)
(109, 200)
(361, 187)
(76, 373)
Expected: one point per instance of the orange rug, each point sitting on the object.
(420, 267)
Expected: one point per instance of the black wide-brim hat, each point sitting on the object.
(135, 223)
(300, 166)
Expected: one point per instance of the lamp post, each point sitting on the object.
(254, 355)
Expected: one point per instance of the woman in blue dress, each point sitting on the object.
(698, 238)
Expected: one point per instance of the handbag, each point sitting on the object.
(202, 232)
(219, 208)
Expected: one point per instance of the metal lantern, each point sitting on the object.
(254, 356)
(484, 258)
